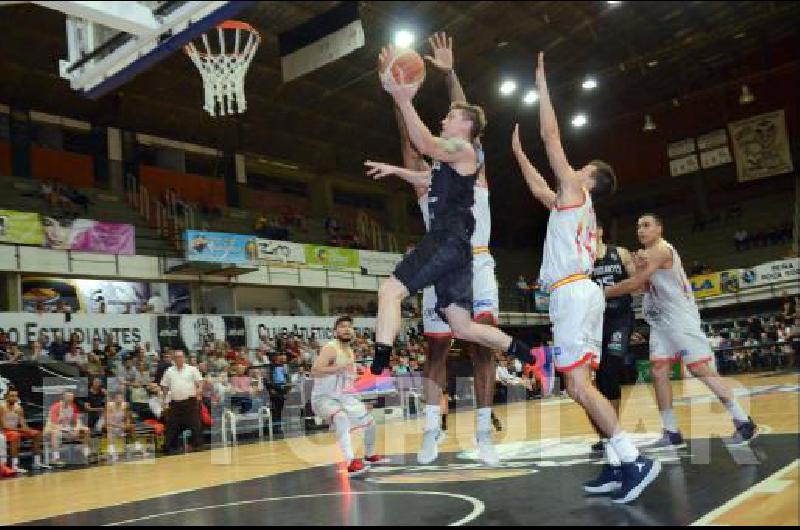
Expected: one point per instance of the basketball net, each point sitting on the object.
(223, 70)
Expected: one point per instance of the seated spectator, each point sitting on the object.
(507, 379)
(244, 398)
(64, 423)
(261, 357)
(77, 356)
(113, 363)
(401, 368)
(36, 353)
(125, 378)
(218, 364)
(15, 429)
(58, 349)
(94, 366)
(13, 353)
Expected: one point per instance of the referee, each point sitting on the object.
(182, 384)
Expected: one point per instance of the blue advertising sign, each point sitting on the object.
(216, 247)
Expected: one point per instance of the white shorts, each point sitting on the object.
(690, 346)
(485, 298)
(327, 407)
(576, 310)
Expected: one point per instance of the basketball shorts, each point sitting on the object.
(576, 311)
(690, 346)
(443, 260)
(486, 300)
(326, 407)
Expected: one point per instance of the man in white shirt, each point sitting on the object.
(183, 384)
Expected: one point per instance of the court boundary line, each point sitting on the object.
(753, 490)
(478, 507)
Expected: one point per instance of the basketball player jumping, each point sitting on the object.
(576, 302)
(443, 258)
(613, 265)
(437, 332)
(675, 330)
(334, 372)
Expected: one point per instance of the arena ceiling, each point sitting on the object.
(642, 54)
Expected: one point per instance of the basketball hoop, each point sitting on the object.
(223, 71)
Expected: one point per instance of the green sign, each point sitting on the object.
(332, 258)
(644, 367)
(21, 228)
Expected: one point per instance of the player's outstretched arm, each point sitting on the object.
(442, 60)
(536, 182)
(657, 257)
(569, 183)
(379, 170)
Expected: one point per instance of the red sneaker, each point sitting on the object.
(356, 468)
(377, 459)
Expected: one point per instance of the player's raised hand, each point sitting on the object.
(387, 52)
(442, 47)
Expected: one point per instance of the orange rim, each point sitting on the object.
(229, 24)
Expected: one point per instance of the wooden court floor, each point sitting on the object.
(772, 399)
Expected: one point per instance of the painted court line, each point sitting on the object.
(768, 485)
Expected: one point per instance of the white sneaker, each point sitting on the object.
(430, 447)
(20, 471)
(40, 467)
(486, 450)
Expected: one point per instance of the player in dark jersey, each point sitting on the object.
(612, 266)
(443, 258)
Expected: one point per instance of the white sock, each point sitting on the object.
(484, 419)
(669, 421)
(432, 417)
(86, 452)
(624, 448)
(56, 456)
(342, 426)
(37, 460)
(736, 410)
(369, 439)
(612, 456)
(14, 463)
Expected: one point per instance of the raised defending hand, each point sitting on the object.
(442, 47)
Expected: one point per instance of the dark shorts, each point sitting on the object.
(617, 330)
(444, 260)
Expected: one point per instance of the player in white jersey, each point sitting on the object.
(576, 302)
(334, 373)
(675, 330)
(485, 304)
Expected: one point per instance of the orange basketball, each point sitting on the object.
(407, 68)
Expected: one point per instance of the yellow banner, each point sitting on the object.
(707, 285)
(21, 228)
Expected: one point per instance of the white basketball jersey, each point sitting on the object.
(480, 210)
(669, 301)
(335, 385)
(570, 247)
